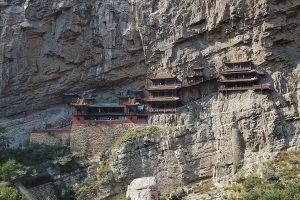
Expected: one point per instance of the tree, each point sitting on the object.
(8, 193)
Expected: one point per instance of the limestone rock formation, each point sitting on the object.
(100, 47)
(48, 48)
(142, 188)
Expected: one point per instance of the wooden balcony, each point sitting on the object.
(252, 71)
(236, 69)
(163, 87)
(244, 88)
(162, 99)
(238, 80)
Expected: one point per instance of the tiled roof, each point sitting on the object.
(79, 102)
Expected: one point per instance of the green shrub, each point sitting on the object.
(253, 195)
(271, 195)
(63, 160)
(178, 195)
(90, 189)
(270, 176)
(103, 170)
(250, 182)
(8, 193)
(11, 170)
(16, 163)
(136, 133)
(120, 197)
(291, 191)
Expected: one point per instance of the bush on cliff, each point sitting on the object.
(11, 170)
(8, 193)
(136, 133)
(16, 163)
(280, 181)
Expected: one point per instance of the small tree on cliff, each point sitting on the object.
(4, 139)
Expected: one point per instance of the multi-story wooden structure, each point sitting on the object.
(105, 111)
(241, 76)
(129, 109)
(194, 76)
(138, 95)
(163, 93)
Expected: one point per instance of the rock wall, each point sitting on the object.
(175, 159)
(51, 47)
(92, 138)
(178, 33)
(51, 137)
(19, 129)
(213, 139)
(45, 191)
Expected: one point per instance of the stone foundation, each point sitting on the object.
(96, 138)
(51, 137)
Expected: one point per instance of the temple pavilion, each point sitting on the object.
(194, 77)
(163, 93)
(103, 111)
(241, 76)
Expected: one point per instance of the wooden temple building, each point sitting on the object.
(241, 76)
(129, 109)
(163, 93)
(194, 76)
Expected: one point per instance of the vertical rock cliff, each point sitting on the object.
(48, 48)
(51, 47)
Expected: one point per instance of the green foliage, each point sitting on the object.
(162, 198)
(11, 170)
(178, 195)
(203, 187)
(253, 195)
(103, 170)
(88, 189)
(63, 160)
(271, 195)
(136, 133)
(280, 181)
(120, 197)
(8, 193)
(270, 176)
(91, 188)
(15, 163)
(251, 182)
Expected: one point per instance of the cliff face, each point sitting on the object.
(212, 140)
(51, 47)
(177, 34)
(48, 48)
